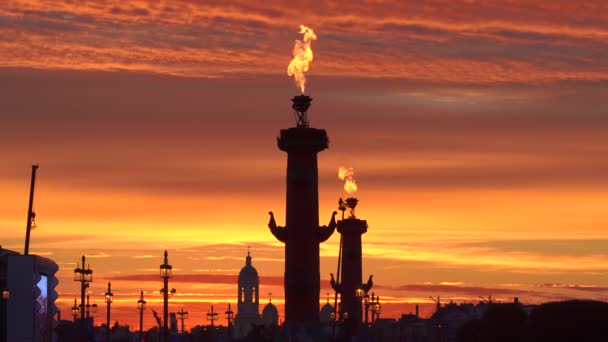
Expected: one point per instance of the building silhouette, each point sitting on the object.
(326, 313)
(270, 314)
(248, 302)
(28, 282)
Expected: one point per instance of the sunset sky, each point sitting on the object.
(477, 131)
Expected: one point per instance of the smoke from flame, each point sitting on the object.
(302, 56)
(348, 176)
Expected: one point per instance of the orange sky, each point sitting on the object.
(476, 130)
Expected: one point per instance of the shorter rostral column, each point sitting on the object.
(350, 287)
(302, 233)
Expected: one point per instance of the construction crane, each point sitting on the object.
(486, 300)
(31, 215)
(438, 316)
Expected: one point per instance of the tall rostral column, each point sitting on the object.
(352, 291)
(302, 233)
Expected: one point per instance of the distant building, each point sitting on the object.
(27, 283)
(248, 304)
(270, 314)
(325, 313)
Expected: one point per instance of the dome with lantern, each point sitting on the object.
(325, 313)
(248, 301)
(248, 273)
(270, 314)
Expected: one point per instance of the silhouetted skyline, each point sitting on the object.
(477, 131)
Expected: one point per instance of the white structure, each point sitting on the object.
(248, 305)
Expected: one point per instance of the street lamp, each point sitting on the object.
(361, 294)
(166, 271)
(109, 298)
(376, 307)
(182, 315)
(212, 316)
(229, 316)
(366, 303)
(84, 276)
(75, 310)
(90, 308)
(141, 305)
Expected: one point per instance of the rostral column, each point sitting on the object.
(302, 233)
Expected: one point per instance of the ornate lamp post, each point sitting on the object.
(84, 276)
(90, 308)
(166, 271)
(375, 307)
(360, 294)
(364, 297)
(182, 315)
(75, 310)
(141, 305)
(367, 305)
(212, 316)
(378, 307)
(229, 317)
(109, 298)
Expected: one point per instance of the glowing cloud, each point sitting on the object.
(302, 57)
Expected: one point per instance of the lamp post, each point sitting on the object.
(360, 294)
(109, 298)
(166, 271)
(366, 304)
(90, 308)
(375, 307)
(75, 310)
(229, 316)
(84, 276)
(141, 305)
(212, 316)
(378, 307)
(182, 315)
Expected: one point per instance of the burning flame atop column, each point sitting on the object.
(302, 56)
(348, 176)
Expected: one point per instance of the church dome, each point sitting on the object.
(270, 314)
(325, 314)
(248, 273)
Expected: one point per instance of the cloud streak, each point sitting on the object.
(483, 43)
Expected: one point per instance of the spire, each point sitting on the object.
(248, 259)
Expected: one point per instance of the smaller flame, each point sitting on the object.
(302, 56)
(348, 176)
